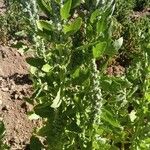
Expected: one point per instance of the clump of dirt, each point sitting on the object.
(140, 14)
(116, 70)
(2, 7)
(14, 86)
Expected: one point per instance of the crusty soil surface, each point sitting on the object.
(14, 86)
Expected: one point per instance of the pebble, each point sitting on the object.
(1, 102)
(5, 89)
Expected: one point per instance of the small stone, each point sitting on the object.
(12, 87)
(1, 102)
(16, 96)
(21, 96)
(6, 89)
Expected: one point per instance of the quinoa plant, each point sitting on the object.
(2, 133)
(67, 71)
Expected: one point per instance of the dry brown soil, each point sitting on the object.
(14, 86)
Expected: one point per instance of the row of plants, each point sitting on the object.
(81, 104)
(90, 110)
(66, 76)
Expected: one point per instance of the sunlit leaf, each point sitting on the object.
(42, 24)
(99, 49)
(94, 15)
(109, 118)
(118, 43)
(132, 115)
(46, 68)
(73, 27)
(33, 117)
(58, 1)
(101, 25)
(65, 9)
(57, 101)
(45, 6)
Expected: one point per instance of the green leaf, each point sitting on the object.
(42, 24)
(65, 9)
(101, 25)
(35, 143)
(76, 73)
(99, 49)
(76, 3)
(44, 110)
(106, 84)
(108, 117)
(80, 76)
(57, 101)
(2, 129)
(110, 9)
(76, 60)
(21, 47)
(33, 116)
(87, 45)
(132, 115)
(35, 62)
(33, 70)
(58, 1)
(45, 6)
(21, 33)
(18, 45)
(111, 51)
(74, 127)
(73, 27)
(118, 43)
(148, 45)
(94, 15)
(46, 68)
(147, 96)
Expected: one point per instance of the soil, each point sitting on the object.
(140, 14)
(14, 86)
(2, 7)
